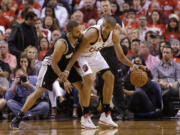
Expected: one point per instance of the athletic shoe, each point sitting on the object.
(105, 119)
(15, 122)
(86, 122)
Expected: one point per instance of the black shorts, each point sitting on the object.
(47, 77)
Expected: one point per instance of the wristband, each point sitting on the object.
(66, 71)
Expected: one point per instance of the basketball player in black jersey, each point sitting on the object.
(53, 64)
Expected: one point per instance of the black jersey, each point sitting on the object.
(47, 76)
(70, 49)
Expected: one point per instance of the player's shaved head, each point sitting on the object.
(71, 25)
(110, 20)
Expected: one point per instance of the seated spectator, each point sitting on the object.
(135, 44)
(50, 11)
(166, 71)
(78, 17)
(145, 101)
(48, 23)
(44, 47)
(32, 55)
(133, 34)
(126, 42)
(3, 20)
(55, 35)
(89, 10)
(41, 32)
(7, 34)
(149, 59)
(6, 56)
(175, 44)
(24, 64)
(155, 5)
(154, 44)
(4, 82)
(20, 89)
(172, 29)
(155, 23)
(60, 12)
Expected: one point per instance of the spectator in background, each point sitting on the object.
(155, 5)
(24, 64)
(115, 9)
(142, 26)
(89, 10)
(133, 34)
(7, 34)
(48, 23)
(155, 23)
(4, 82)
(146, 99)
(44, 47)
(32, 55)
(168, 6)
(175, 44)
(161, 46)
(1, 35)
(130, 19)
(150, 60)
(126, 42)
(154, 44)
(172, 28)
(20, 89)
(55, 35)
(3, 20)
(78, 17)
(60, 12)
(41, 32)
(50, 12)
(135, 45)
(166, 71)
(23, 35)
(6, 56)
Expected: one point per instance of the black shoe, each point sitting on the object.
(15, 122)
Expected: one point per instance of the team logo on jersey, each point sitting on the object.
(85, 68)
(69, 56)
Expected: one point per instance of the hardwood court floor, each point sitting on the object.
(73, 128)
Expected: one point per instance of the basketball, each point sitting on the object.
(138, 77)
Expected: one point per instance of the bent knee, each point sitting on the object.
(88, 79)
(108, 77)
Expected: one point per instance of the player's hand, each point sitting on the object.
(63, 76)
(134, 67)
(67, 86)
(144, 68)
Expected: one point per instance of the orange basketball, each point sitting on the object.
(138, 77)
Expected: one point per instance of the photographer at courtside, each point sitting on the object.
(17, 94)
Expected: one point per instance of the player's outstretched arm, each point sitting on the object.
(89, 37)
(59, 50)
(118, 49)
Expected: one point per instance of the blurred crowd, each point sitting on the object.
(28, 29)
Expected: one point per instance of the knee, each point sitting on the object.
(88, 79)
(3, 102)
(108, 77)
